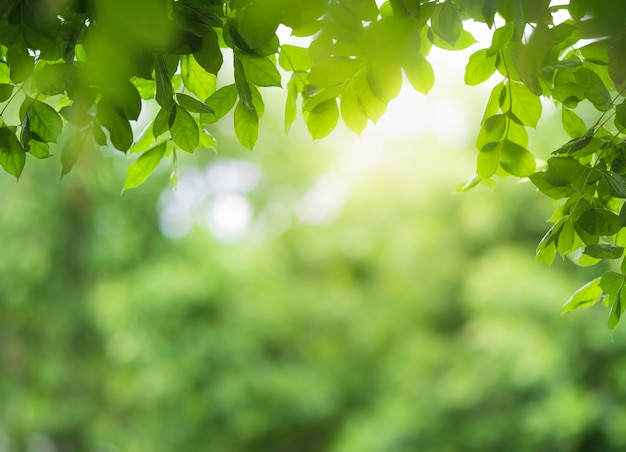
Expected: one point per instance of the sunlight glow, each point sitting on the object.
(322, 203)
(229, 217)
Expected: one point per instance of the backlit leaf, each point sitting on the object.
(141, 169)
(586, 296)
(45, 122)
(419, 71)
(12, 154)
(572, 123)
(184, 130)
(241, 82)
(261, 71)
(221, 102)
(479, 67)
(351, 111)
(293, 58)
(195, 78)
(192, 105)
(115, 122)
(517, 160)
(322, 119)
(594, 88)
(246, 125)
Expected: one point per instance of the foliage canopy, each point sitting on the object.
(90, 66)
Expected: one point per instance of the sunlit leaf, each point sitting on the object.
(246, 125)
(141, 169)
(479, 68)
(419, 72)
(192, 105)
(261, 71)
(12, 155)
(585, 297)
(115, 122)
(195, 78)
(221, 102)
(184, 130)
(594, 88)
(517, 160)
(322, 119)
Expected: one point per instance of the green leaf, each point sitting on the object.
(241, 82)
(493, 103)
(565, 240)
(12, 154)
(164, 92)
(333, 71)
(351, 111)
(246, 125)
(192, 105)
(385, 80)
(604, 251)
(45, 122)
(611, 282)
(39, 149)
(620, 114)
(554, 192)
(115, 121)
(599, 222)
(207, 140)
(488, 159)
(50, 79)
(261, 71)
(517, 160)
(363, 9)
(585, 297)
(563, 171)
(6, 91)
(492, 131)
(184, 130)
(464, 41)
(480, 67)
(292, 58)
(572, 123)
(419, 71)
(141, 169)
(561, 64)
(74, 147)
(162, 122)
(322, 119)
(446, 22)
(98, 134)
(258, 23)
(221, 102)
(501, 36)
(195, 78)
(524, 105)
(615, 183)
(615, 312)
(209, 56)
(291, 103)
(145, 141)
(594, 88)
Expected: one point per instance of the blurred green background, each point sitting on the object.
(328, 296)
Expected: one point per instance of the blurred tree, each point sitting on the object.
(395, 331)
